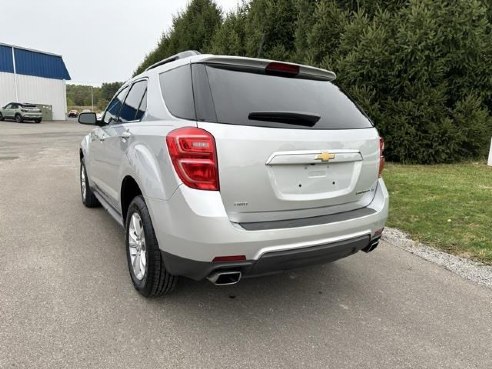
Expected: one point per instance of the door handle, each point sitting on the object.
(125, 135)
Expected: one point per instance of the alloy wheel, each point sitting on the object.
(136, 245)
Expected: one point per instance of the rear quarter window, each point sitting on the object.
(177, 91)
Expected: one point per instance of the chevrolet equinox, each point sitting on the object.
(225, 167)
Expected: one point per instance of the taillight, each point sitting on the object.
(381, 156)
(282, 69)
(194, 157)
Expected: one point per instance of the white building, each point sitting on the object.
(31, 76)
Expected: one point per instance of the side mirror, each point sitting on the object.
(88, 118)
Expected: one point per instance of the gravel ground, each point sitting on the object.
(466, 268)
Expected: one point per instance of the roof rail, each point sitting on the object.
(181, 55)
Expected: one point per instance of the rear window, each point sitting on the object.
(252, 99)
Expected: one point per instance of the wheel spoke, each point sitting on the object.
(135, 225)
(140, 228)
(132, 238)
(136, 266)
(133, 251)
(143, 262)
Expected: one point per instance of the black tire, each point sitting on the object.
(38, 120)
(18, 118)
(156, 280)
(1, 117)
(89, 200)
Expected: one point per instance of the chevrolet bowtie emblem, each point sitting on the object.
(325, 156)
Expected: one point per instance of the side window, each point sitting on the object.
(130, 110)
(113, 109)
(13, 106)
(142, 108)
(9, 106)
(177, 91)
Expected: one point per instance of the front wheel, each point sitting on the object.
(1, 117)
(148, 273)
(18, 118)
(88, 197)
(38, 120)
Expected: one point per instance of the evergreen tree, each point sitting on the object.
(230, 37)
(270, 27)
(192, 30)
(328, 25)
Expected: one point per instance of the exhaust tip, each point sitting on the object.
(225, 278)
(372, 245)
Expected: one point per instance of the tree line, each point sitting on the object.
(82, 95)
(421, 69)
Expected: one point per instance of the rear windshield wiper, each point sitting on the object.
(300, 119)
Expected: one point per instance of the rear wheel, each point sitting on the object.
(88, 197)
(18, 118)
(148, 273)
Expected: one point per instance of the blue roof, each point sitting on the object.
(32, 63)
(6, 61)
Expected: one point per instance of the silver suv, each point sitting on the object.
(21, 112)
(221, 167)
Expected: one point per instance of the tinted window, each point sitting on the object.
(142, 108)
(178, 93)
(130, 109)
(237, 94)
(113, 109)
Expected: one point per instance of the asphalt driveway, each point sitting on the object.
(66, 299)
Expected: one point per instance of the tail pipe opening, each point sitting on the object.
(225, 278)
(372, 245)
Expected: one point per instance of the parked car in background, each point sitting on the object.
(21, 112)
(86, 111)
(73, 113)
(221, 167)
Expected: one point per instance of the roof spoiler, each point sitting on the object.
(181, 55)
(243, 63)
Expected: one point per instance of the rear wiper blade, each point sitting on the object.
(296, 118)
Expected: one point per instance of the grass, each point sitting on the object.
(446, 206)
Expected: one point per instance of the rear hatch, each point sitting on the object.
(290, 144)
(30, 108)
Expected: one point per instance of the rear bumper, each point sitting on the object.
(192, 228)
(32, 116)
(268, 263)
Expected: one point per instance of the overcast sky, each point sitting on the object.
(100, 40)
